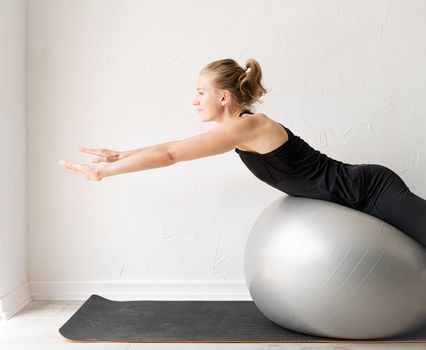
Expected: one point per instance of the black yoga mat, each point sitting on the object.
(103, 320)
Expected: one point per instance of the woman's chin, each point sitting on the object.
(202, 117)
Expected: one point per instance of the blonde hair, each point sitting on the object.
(244, 83)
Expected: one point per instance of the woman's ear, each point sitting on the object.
(225, 98)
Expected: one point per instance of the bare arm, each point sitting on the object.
(124, 154)
(220, 139)
(140, 159)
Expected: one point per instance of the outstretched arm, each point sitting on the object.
(127, 161)
(143, 159)
(220, 139)
(124, 154)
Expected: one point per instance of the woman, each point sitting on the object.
(226, 91)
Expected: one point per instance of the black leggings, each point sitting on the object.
(390, 199)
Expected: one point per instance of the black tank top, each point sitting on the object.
(299, 170)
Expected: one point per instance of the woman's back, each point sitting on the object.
(296, 168)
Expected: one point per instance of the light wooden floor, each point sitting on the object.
(36, 328)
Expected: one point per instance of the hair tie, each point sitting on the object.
(247, 70)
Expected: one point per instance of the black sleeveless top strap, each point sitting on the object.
(298, 169)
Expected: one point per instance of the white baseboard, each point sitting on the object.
(15, 301)
(155, 290)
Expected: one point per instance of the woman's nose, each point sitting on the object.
(195, 101)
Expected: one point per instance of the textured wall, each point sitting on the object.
(347, 76)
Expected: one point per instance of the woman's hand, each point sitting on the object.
(104, 155)
(90, 172)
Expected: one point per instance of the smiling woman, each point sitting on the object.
(225, 92)
(225, 89)
(233, 86)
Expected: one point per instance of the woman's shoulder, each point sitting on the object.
(257, 119)
(264, 121)
(260, 116)
(267, 134)
(250, 123)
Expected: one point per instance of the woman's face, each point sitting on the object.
(207, 99)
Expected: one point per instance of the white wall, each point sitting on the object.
(14, 289)
(349, 77)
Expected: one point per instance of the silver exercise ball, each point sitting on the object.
(323, 269)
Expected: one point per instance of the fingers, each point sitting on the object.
(90, 173)
(94, 151)
(64, 164)
(71, 166)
